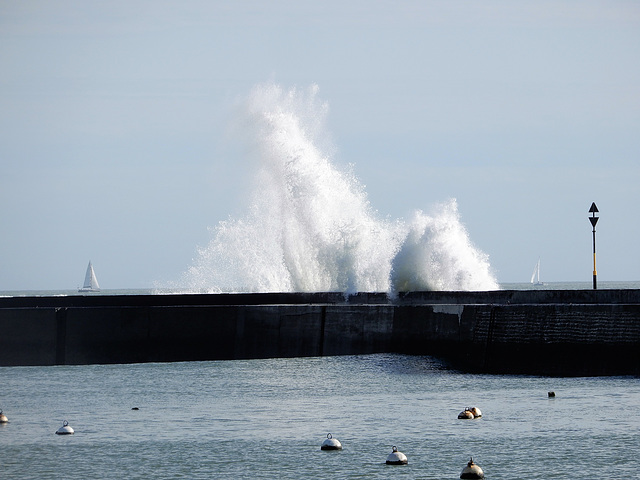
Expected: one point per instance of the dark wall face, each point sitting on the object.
(536, 332)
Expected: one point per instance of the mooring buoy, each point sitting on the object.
(472, 471)
(65, 429)
(470, 412)
(465, 414)
(396, 457)
(3, 418)
(331, 443)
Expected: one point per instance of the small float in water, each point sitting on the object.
(396, 457)
(331, 443)
(472, 471)
(65, 429)
(469, 413)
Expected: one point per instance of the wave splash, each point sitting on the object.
(310, 227)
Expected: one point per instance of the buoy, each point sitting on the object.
(396, 457)
(472, 471)
(3, 418)
(465, 414)
(552, 394)
(331, 443)
(470, 412)
(65, 429)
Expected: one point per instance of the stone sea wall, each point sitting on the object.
(547, 332)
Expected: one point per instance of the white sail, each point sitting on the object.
(90, 281)
(535, 276)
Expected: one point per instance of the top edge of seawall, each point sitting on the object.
(497, 297)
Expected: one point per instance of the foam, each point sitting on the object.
(310, 226)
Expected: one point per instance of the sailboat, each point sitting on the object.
(90, 281)
(535, 276)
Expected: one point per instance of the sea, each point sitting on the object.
(268, 418)
(576, 285)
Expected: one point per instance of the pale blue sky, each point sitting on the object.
(114, 122)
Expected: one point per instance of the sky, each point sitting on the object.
(115, 120)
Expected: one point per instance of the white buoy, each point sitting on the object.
(65, 429)
(3, 418)
(472, 471)
(396, 457)
(331, 443)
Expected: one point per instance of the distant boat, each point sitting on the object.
(90, 281)
(535, 276)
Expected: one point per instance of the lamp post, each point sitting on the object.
(593, 219)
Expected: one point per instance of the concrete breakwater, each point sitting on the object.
(547, 332)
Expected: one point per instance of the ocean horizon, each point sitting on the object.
(604, 285)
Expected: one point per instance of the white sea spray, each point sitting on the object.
(310, 226)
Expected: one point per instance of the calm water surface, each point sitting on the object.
(602, 285)
(268, 418)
